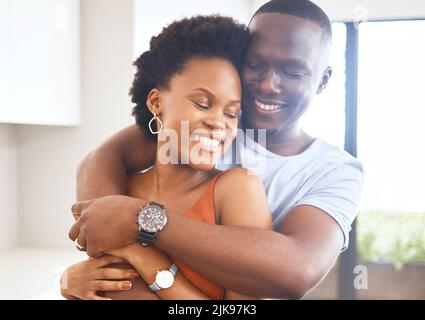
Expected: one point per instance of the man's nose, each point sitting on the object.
(270, 83)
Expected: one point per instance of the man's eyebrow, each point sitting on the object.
(297, 62)
(285, 61)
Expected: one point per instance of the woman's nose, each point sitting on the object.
(215, 120)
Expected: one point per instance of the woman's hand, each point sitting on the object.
(83, 280)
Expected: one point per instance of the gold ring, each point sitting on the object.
(80, 247)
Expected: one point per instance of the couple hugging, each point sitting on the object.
(163, 216)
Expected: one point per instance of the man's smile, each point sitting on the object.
(269, 107)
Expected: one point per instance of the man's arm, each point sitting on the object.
(251, 261)
(269, 264)
(103, 172)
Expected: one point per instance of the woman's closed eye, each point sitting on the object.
(201, 106)
(231, 114)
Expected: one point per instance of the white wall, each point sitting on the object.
(152, 15)
(8, 187)
(39, 61)
(48, 156)
(361, 10)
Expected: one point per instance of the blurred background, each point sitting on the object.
(65, 72)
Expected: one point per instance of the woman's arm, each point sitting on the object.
(247, 207)
(147, 261)
(104, 171)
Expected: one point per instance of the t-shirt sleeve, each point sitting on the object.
(338, 193)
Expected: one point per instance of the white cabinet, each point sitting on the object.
(40, 62)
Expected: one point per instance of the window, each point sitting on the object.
(391, 141)
(390, 111)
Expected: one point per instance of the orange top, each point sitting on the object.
(203, 210)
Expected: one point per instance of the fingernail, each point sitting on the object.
(127, 285)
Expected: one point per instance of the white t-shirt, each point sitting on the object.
(323, 176)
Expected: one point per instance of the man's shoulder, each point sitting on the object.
(332, 156)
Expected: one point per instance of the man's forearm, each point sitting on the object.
(103, 172)
(247, 260)
(100, 174)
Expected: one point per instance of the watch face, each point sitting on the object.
(164, 279)
(152, 218)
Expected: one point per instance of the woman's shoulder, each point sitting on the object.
(238, 177)
(241, 200)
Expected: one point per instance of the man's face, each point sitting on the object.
(286, 65)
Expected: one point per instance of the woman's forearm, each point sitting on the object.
(139, 291)
(182, 289)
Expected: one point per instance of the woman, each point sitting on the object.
(188, 82)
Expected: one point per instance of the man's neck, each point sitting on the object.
(290, 142)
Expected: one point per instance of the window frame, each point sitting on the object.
(348, 260)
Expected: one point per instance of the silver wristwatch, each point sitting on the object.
(152, 218)
(164, 279)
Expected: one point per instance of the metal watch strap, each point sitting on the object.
(154, 286)
(173, 269)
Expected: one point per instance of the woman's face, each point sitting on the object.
(199, 111)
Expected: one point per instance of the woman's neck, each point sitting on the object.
(168, 178)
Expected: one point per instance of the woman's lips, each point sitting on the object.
(206, 143)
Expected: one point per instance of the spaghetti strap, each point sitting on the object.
(208, 194)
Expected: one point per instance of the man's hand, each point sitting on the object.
(105, 223)
(83, 280)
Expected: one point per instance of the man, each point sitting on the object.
(313, 188)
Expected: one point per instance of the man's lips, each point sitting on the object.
(269, 105)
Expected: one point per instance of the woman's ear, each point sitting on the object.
(153, 101)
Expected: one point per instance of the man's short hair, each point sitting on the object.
(303, 9)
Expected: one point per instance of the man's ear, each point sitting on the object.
(325, 79)
(153, 101)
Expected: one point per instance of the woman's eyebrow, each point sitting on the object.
(210, 94)
(206, 91)
(232, 102)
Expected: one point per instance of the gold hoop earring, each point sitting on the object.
(160, 122)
